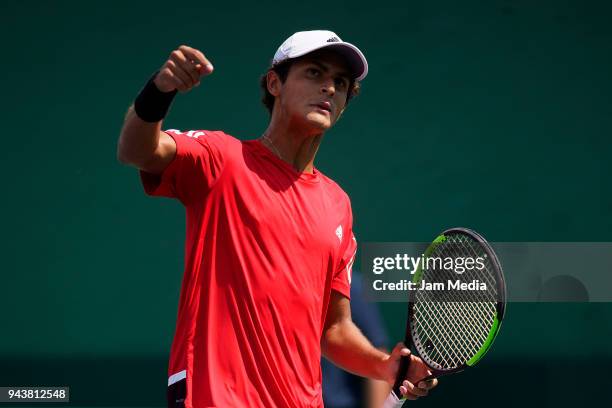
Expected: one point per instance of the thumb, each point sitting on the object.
(400, 350)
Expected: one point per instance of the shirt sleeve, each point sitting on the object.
(199, 159)
(342, 278)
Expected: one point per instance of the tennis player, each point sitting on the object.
(269, 243)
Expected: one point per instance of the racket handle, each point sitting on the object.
(401, 375)
(393, 401)
(395, 396)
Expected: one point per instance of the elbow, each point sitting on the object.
(122, 156)
(133, 157)
(329, 338)
(125, 152)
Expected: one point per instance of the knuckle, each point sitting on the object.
(165, 72)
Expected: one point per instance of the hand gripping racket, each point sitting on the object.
(452, 329)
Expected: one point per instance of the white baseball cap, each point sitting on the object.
(304, 42)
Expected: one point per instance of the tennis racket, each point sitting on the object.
(452, 330)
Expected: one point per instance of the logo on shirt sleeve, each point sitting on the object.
(349, 265)
(339, 232)
(192, 133)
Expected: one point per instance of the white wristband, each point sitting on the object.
(393, 402)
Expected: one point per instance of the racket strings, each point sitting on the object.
(447, 343)
(433, 334)
(474, 250)
(449, 328)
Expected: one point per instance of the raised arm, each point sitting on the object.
(141, 143)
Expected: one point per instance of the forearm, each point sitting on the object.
(138, 140)
(345, 345)
(378, 391)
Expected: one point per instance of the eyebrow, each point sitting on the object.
(325, 68)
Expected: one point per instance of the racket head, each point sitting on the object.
(452, 332)
(441, 343)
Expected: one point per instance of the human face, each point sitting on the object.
(315, 91)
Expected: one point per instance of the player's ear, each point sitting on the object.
(273, 83)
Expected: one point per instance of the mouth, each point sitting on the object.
(324, 106)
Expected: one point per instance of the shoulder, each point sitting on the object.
(204, 136)
(202, 142)
(335, 190)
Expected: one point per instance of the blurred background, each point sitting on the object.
(493, 115)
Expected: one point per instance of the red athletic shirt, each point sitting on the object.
(265, 246)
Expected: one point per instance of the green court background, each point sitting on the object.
(488, 114)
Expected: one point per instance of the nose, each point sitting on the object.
(328, 87)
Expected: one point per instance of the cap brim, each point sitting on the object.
(355, 58)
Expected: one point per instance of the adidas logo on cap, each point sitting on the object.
(304, 42)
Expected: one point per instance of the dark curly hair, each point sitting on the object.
(282, 70)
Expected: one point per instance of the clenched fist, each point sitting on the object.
(183, 70)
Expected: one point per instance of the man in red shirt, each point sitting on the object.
(269, 244)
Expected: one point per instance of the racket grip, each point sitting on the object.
(401, 375)
(393, 401)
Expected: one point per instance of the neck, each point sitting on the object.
(293, 144)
